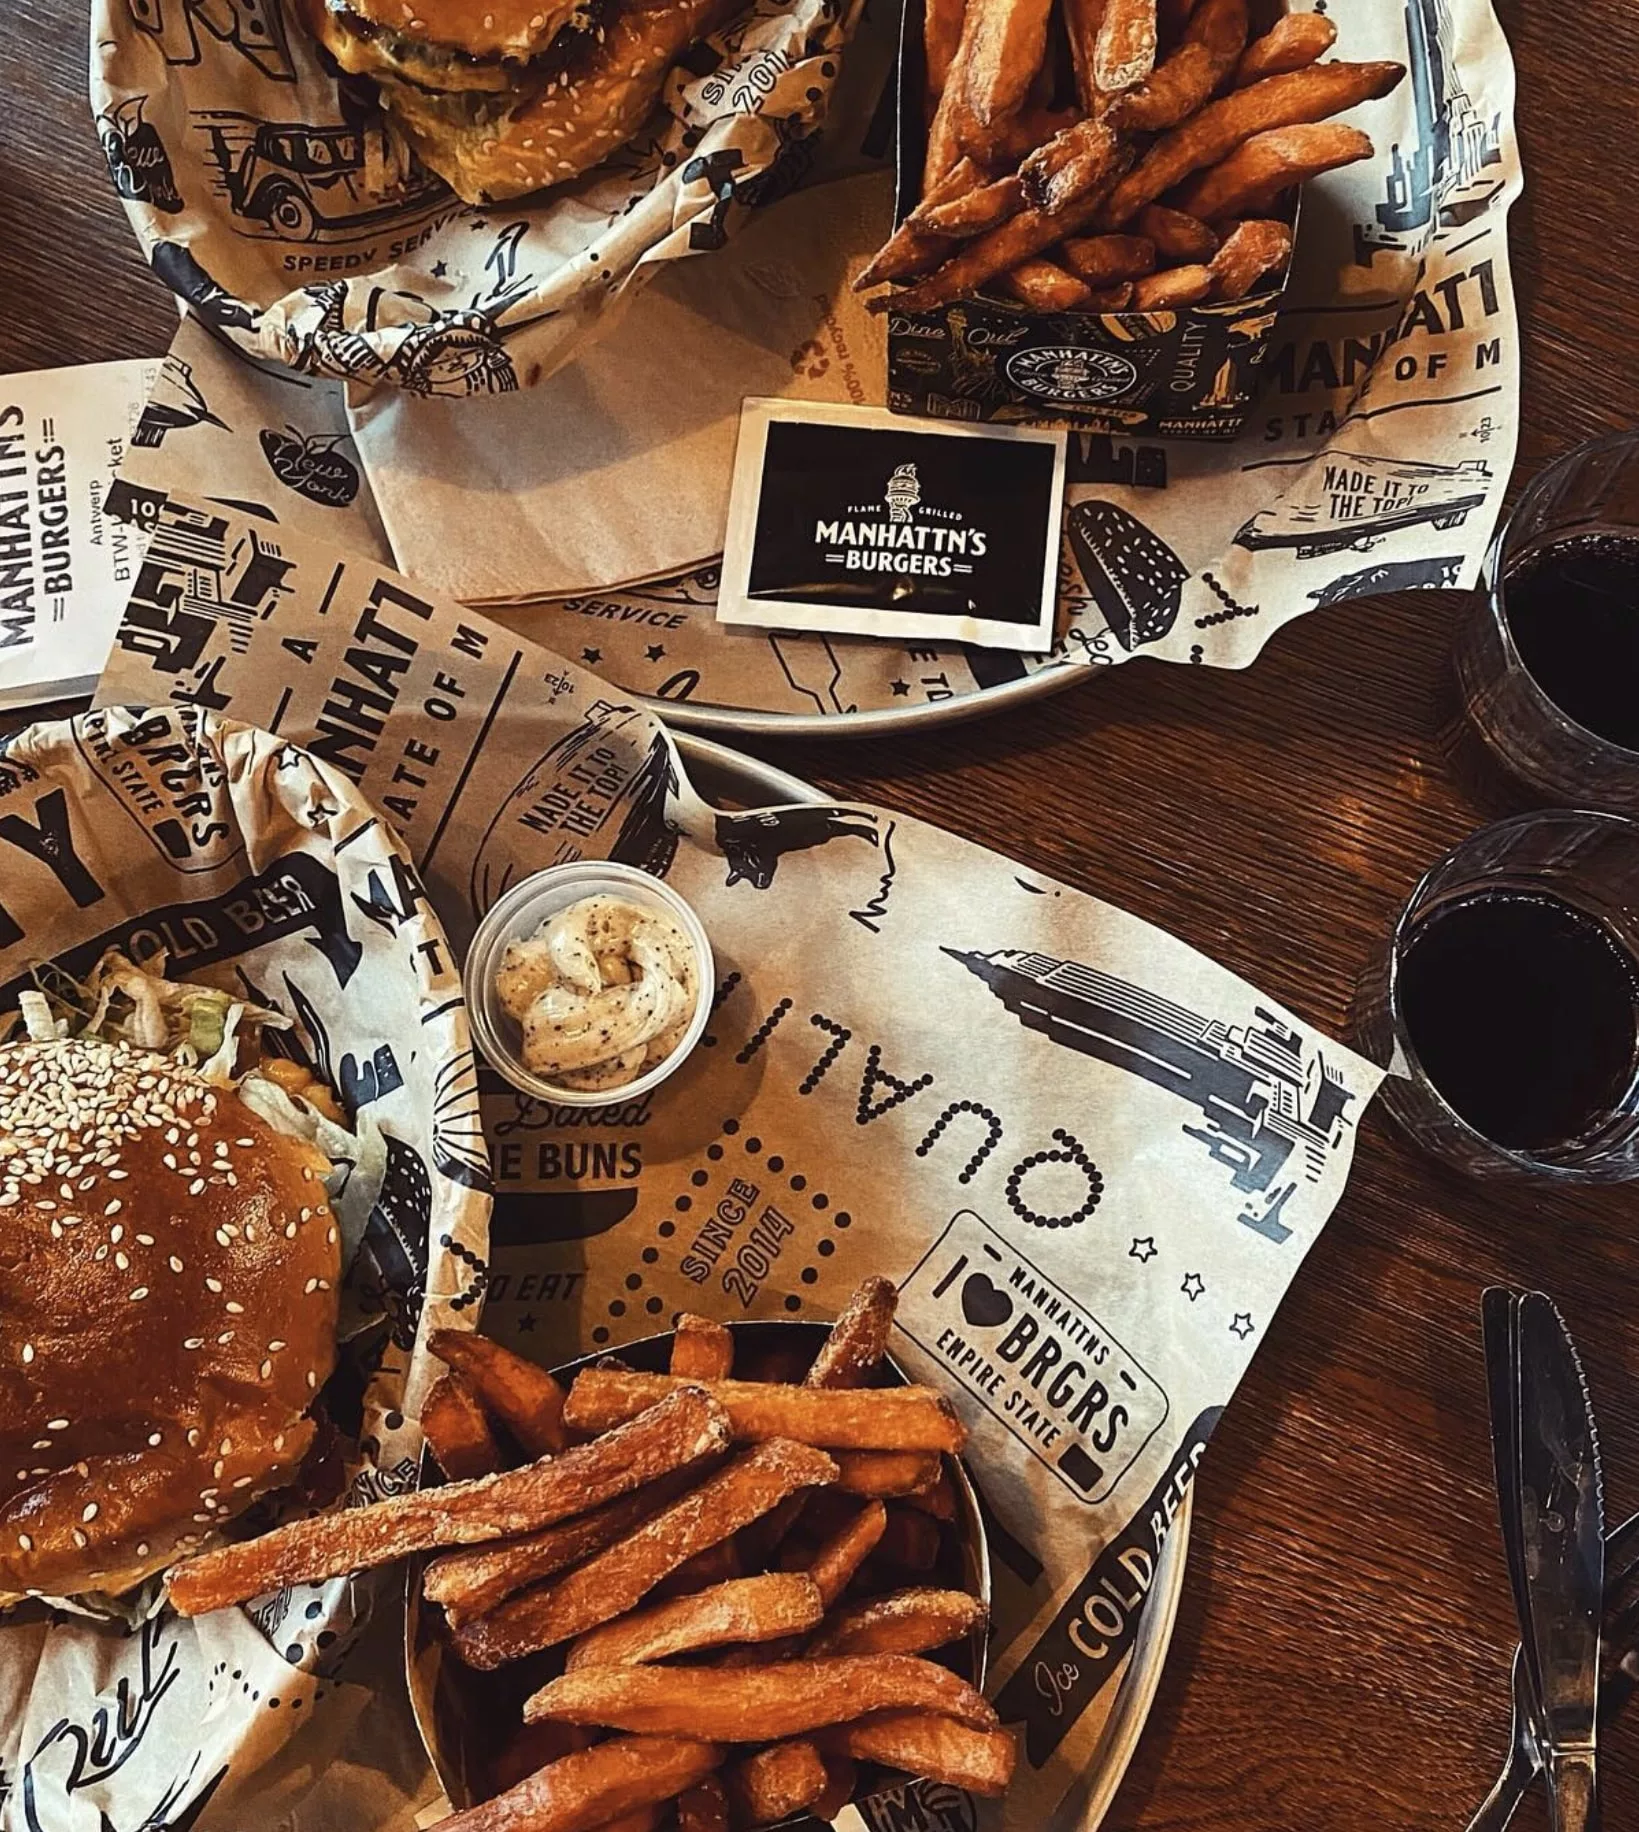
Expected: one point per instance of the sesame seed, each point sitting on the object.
(267, 1369)
(290, 1230)
(118, 1176)
(114, 1208)
(174, 1263)
(279, 1441)
(244, 1144)
(233, 1309)
(226, 1336)
(145, 1240)
(221, 1238)
(28, 1351)
(41, 1444)
(242, 1482)
(56, 1424)
(330, 1237)
(310, 1287)
(139, 1294)
(80, 1539)
(25, 1542)
(82, 1469)
(90, 1513)
(312, 1378)
(217, 1468)
(122, 1262)
(142, 1548)
(275, 1345)
(154, 1437)
(193, 1342)
(196, 1186)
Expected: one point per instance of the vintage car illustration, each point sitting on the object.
(1355, 501)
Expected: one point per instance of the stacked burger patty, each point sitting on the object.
(505, 97)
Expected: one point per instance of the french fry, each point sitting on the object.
(841, 1778)
(972, 213)
(470, 1582)
(1176, 234)
(979, 1760)
(1172, 289)
(981, 260)
(591, 1787)
(1115, 298)
(1205, 56)
(701, 1349)
(941, 34)
(774, 1783)
(715, 1565)
(1290, 44)
(743, 1609)
(640, 1819)
(525, 1398)
(1045, 287)
(1082, 18)
(618, 1579)
(908, 1622)
(1016, 139)
(456, 1430)
(908, 250)
(753, 1704)
(833, 1566)
(1102, 260)
(1213, 134)
(1125, 53)
(683, 1426)
(886, 1472)
(532, 1746)
(1003, 44)
(1250, 251)
(944, 148)
(877, 1418)
(1261, 168)
(703, 1807)
(939, 1499)
(1070, 165)
(910, 1540)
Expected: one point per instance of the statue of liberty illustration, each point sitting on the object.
(903, 493)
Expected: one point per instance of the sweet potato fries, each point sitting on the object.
(730, 1577)
(1182, 109)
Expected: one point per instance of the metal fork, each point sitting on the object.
(1524, 1760)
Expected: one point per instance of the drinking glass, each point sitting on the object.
(1586, 859)
(1592, 491)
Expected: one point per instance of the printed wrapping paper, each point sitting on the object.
(284, 207)
(1092, 1159)
(1373, 460)
(256, 868)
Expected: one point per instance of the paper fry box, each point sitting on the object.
(1092, 1159)
(1183, 374)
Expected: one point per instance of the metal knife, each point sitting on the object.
(1561, 1530)
(1499, 1319)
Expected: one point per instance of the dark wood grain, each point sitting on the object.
(1341, 1652)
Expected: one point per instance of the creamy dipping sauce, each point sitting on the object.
(602, 991)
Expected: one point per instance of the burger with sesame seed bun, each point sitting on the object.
(505, 97)
(169, 1277)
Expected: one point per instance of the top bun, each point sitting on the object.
(443, 44)
(169, 1269)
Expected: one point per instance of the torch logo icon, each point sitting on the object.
(903, 493)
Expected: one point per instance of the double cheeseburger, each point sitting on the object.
(504, 97)
(169, 1269)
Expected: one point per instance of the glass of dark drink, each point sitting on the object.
(1548, 664)
(1506, 1005)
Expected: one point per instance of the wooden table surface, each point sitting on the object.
(1341, 1652)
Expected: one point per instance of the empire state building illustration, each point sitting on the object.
(1248, 1081)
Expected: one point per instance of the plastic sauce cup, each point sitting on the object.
(520, 914)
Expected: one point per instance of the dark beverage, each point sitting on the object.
(1524, 1013)
(1573, 609)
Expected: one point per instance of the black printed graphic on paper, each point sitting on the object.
(1096, 458)
(1260, 1107)
(1040, 1363)
(919, 1806)
(312, 465)
(170, 785)
(1356, 501)
(1084, 1645)
(648, 835)
(254, 28)
(753, 844)
(177, 267)
(197, 579)
(813, 669)
(392, 1263)
(174, 404)
(459, 1151)
(137, 161)
(1451, 148)
(455, 351)
(299, 182)
(1134, 577)
(1394, 576)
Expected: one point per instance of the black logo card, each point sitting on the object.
(860, 522)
